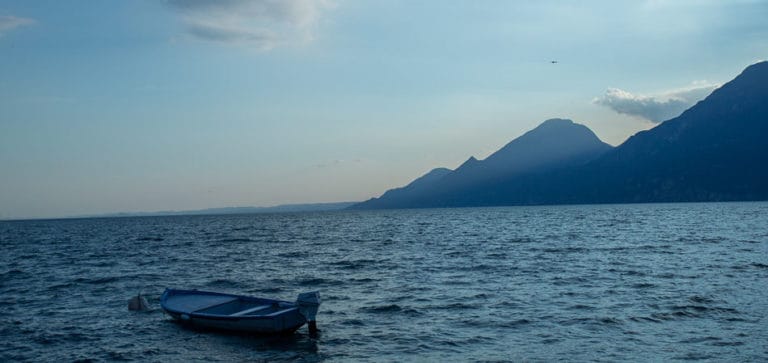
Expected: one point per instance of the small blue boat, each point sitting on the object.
(215, 310)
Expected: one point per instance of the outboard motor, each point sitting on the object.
(309, 303)
(138, 303)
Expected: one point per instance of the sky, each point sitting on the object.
(120, 106)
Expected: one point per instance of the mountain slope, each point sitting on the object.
(556, 143)
(420, 185)
(716, 150)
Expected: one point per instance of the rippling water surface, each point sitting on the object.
(613, 282)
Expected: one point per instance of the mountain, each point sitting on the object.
(714, 151)
(556, 143)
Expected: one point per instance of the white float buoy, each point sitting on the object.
(138, 303)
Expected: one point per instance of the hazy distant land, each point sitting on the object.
(283, 208)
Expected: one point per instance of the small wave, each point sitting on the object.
(694, 356)
(8, 301)
(268, 290)
(61, 286)
(667, 275)
(678, 314)
(706, 309)
(354, 264)
(632, 273)
(232, 240)
(352, 322)
(507, 305)
(453, 306)
(699, 340)
(104, 263)
(692, 311)
(294, 254)
(644, 319)
(750, 241)
(97, 281)
(497, 256)
(52, 338)
(521, 240)
(581, 307)
(609, 320)
(550, 341)
(224, 283)
(568, 281)
(382, 308)
(150, 238)
(565, 250)
(317, 281)
(514, 323)
(364, 280)
(480, 267)
(700, 300)
(458, 282)
(389, 309)
(704, 240)
(643, 285)
(602, 321)
(117, 356)
(11, 273)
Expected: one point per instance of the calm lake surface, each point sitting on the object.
(608, 282)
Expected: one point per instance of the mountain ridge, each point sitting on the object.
(553, 144)
(713, 151)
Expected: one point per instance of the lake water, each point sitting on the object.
(607, 282)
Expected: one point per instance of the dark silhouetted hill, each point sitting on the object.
(714, 151)
(554, 144)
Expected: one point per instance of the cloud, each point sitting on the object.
(9, 22)
(262, 24)
(655, 108)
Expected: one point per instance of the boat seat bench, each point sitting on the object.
(281, 311)
(248, 311)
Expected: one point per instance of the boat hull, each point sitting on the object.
(237, 313)
(256, 326)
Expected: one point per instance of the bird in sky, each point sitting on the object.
(553, 62)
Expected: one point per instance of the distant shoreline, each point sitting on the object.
(329, 207)
(283, 208)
